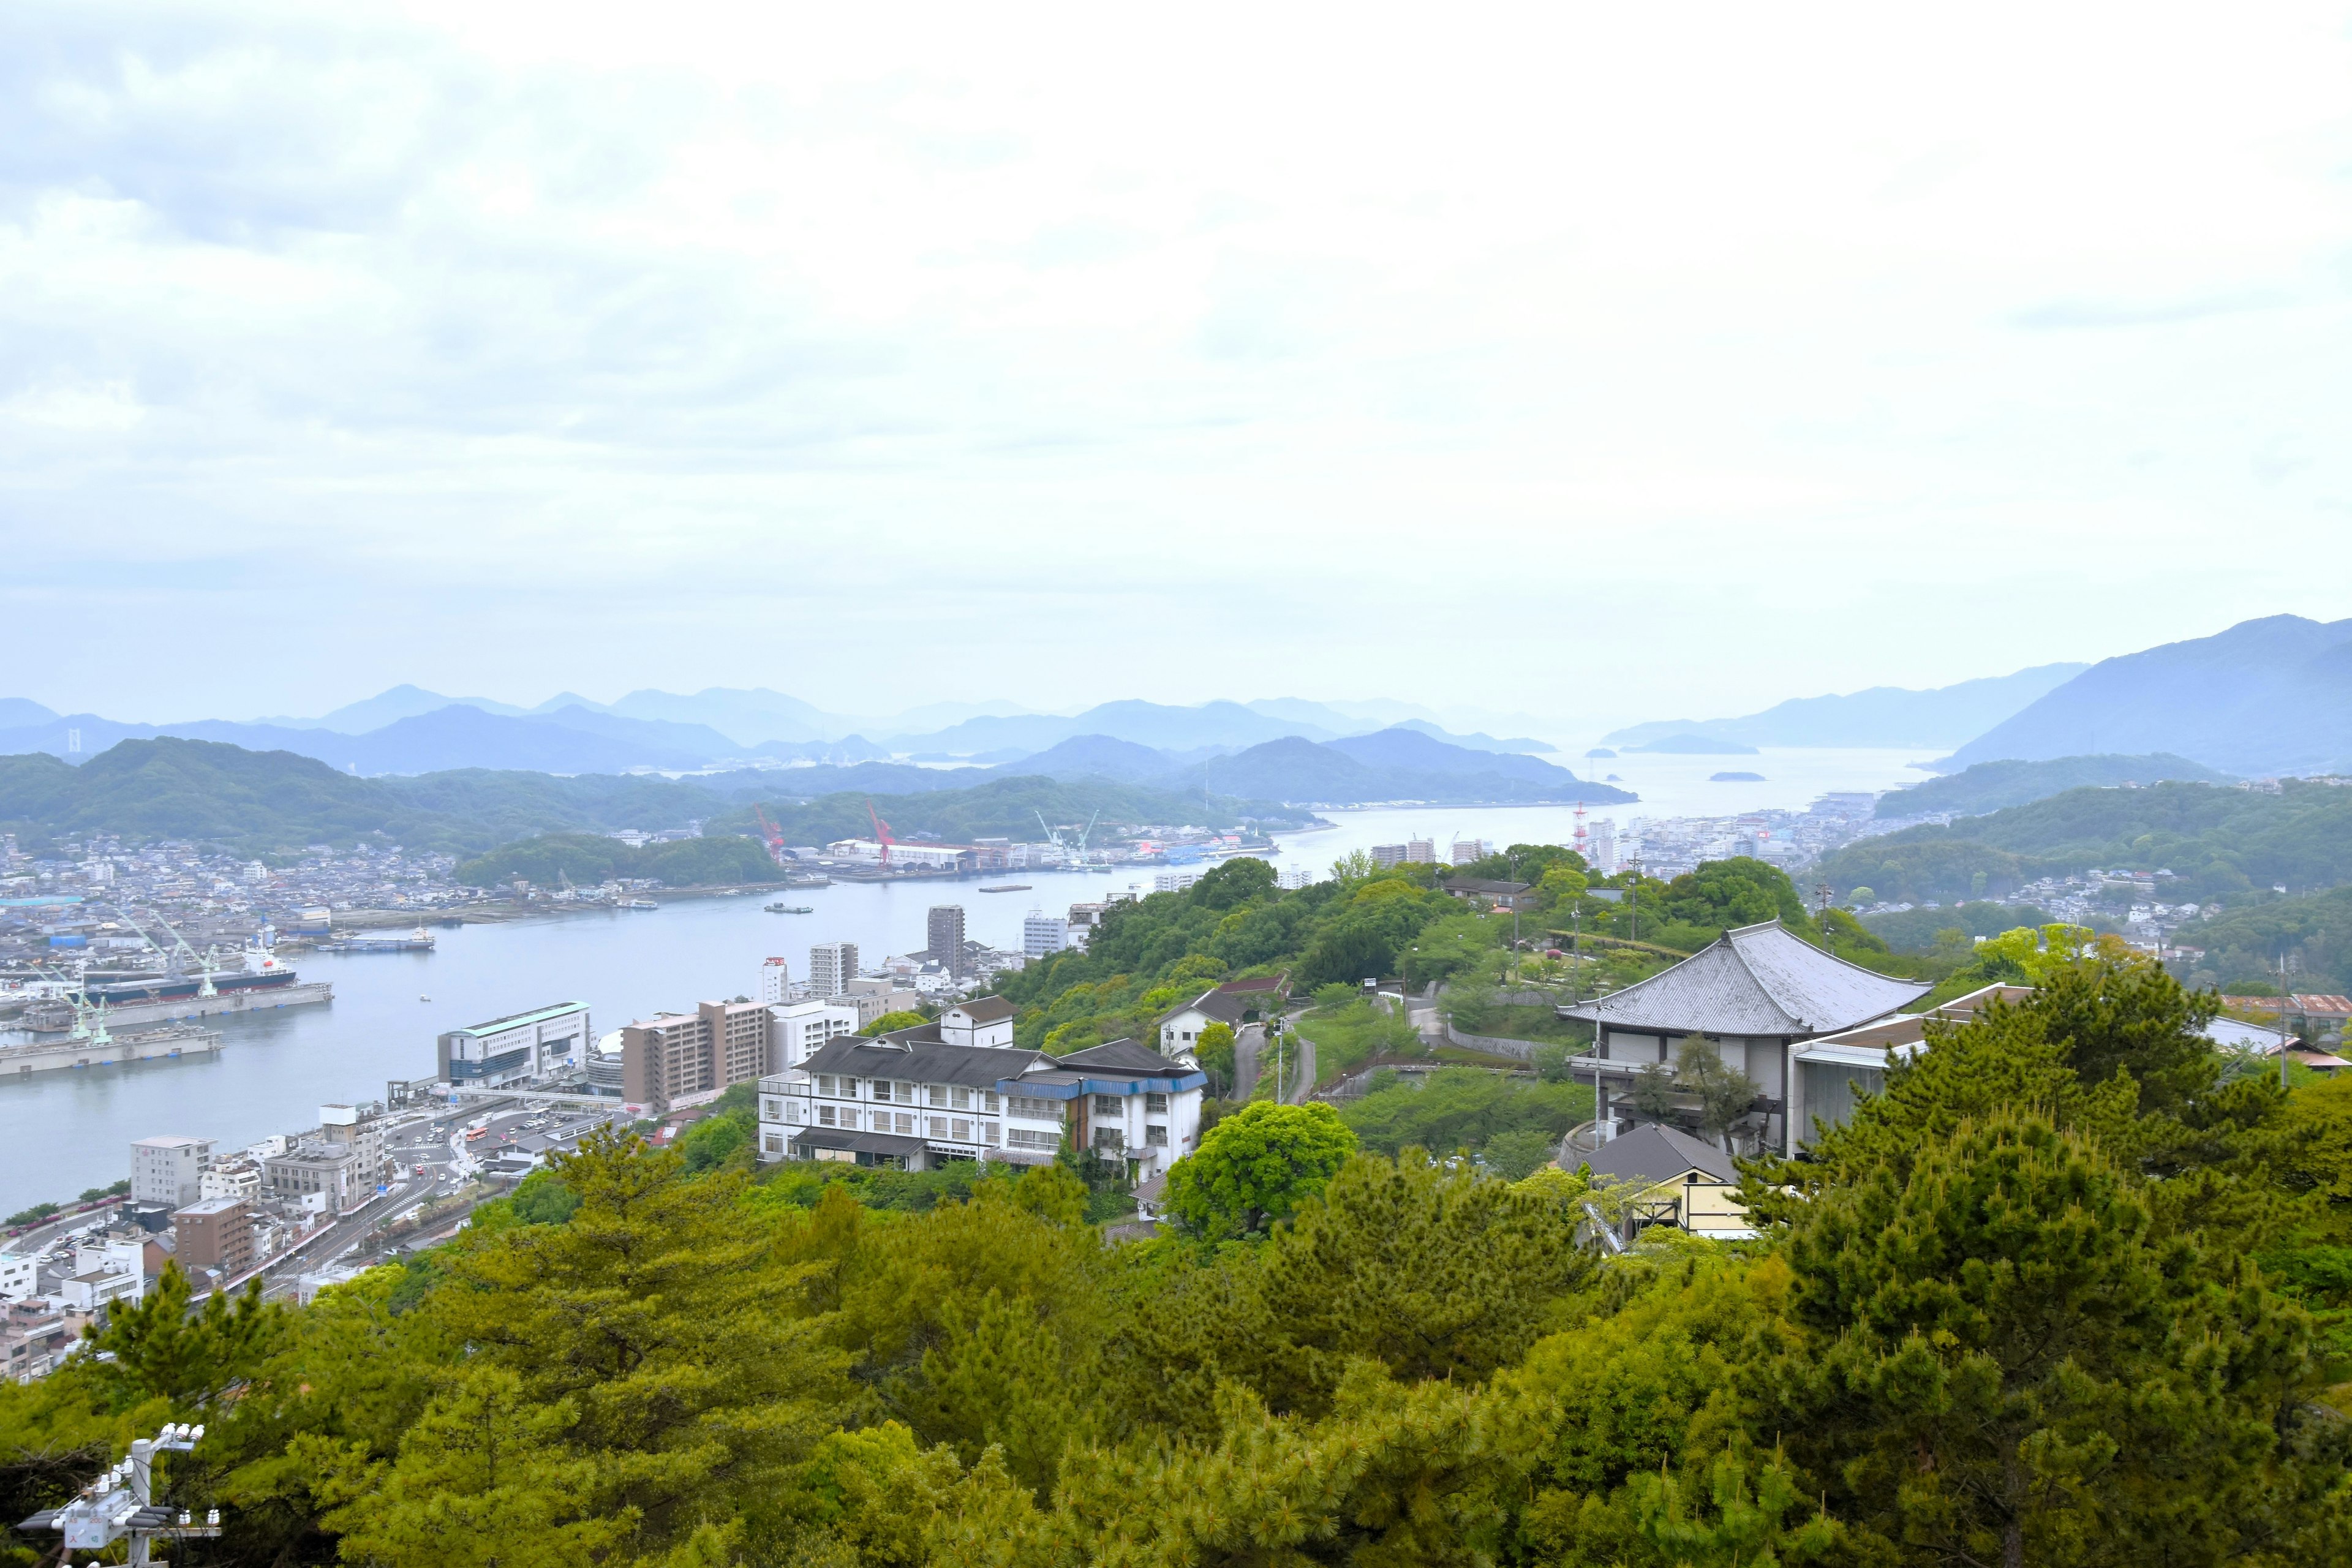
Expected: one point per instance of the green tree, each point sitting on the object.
(157, 1347)
(1519, 1153)
(1654, 1091)
(2004, 1362)
(1724, 1092)
(1256, 1166)
(888, 1022)
(1215, 1051)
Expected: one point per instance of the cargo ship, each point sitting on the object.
(261, 971)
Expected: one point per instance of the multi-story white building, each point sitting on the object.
(1176, 881)
(518, 1049)
(236, 1177)
(1295, 875)
(958, 1089)
(1466, 850)
(832, 966)
(1602, 842)
(798, 1030)
(169, 1170)
(776, 982)
(1043, 936)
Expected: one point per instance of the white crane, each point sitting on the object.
(203, 963)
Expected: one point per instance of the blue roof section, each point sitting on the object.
(1070, 1086)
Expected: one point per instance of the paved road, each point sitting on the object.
(1302, 1071)
(1245, 1049)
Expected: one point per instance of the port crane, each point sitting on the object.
(204, 964)
(881, 832)
(774, 834)
(1078, 855)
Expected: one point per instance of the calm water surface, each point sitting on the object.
(63, 1132)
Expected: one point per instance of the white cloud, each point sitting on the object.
(1601, 361)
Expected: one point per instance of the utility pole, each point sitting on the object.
(1634, 896)
(2282, 1015)
(120, 1504)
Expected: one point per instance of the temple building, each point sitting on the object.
(1760, 994)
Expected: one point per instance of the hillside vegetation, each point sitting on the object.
(1990, 786)
(2219, 842)
(2066, 1293)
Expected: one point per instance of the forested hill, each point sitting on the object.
(2217, 840)
(262, 802)
(1990, 786)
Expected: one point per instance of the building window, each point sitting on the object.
(1110, 1138)
(1025, 1105)
(988, 1133)
(825, 1116)
(1021, 1138)
(963, 1100)
(775, 1142)
(906, 1094)
(771, 1110)
(795, 1115)
(1155, 1135)
(962, 1131)
(906, 1125)
(1109, 1105)
(988, 1101)
(1155, 1105)
(938, 1096)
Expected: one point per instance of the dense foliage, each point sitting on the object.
(2220, 842)
(2065, 1294)
(589, 858)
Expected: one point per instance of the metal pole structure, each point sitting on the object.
(120, 1505)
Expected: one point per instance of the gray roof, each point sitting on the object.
(1224, 1007)
(1754, 980)
(920, 1061)
(1655, 1153)
(984, 1009)
(1123, 1056)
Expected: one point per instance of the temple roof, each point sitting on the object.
(1754, 980)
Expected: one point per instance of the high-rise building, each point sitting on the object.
(1420, 851)
(1468, 849)
(674, 1056)
(1387, 855)
(169, 1170)
(214, 1233)
(776, 982)
(1293, 876)
(1603, 846)
(944, 937)
(1043, 936)
(832, 966)
(517, 1048)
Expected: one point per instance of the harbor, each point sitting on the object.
(105, 1049)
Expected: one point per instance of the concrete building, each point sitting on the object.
(798, 1030)
(1176, 881)
(233, 1177)
(832, 966)
(325, 1179)
(1234, 1004)
(1466, 850)
(518, 1049)
(1043, 935)
(1602, 847)
(169, 1170)
(958, 1089)
(776, 982)
(943, 934)
(1420, 851)
(1295, 875)
(361, 1132)
(217, 1234)
(680, 1057)
(1387, 855)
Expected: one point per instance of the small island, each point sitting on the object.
(1735, 778)
(1601, 752)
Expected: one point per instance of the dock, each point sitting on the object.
(147, 1046)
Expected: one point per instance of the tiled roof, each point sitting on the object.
(1224, 1007)
(984, 1009)
(920, 1061)
(1754, 980)
(1655, 1153)
(1122, 1056)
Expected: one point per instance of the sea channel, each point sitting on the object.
(63, 1132)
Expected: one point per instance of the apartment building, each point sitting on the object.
(169, 1170)
(1043, 935)
(943, 935)
(832, 966)
(958, 1089)
(518, 1049)
(798, 1030)
(776, 982)
(217, 1234)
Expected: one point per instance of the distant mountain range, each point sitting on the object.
(1995, 786)
(1881, 716)
(1402, 763)
(408, 729)
(2265, 697)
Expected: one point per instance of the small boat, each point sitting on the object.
(790, 910)
(639, 904)
(1008, 888)
(424, 998)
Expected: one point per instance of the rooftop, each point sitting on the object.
(1754, 980)
(984, 1009)
(517, 1020)
(1655, 1153)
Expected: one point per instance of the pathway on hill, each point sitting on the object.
(1245, 1049)
(1303, 1070)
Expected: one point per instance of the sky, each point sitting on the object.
(1590, 362)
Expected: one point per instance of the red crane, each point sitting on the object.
(881, 832)
(771, 832)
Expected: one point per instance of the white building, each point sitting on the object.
(1043, 936)
(832, 966)
(20, 1276)
(518, 1049)
(169, 1170)
(234, 1177)
(1466, 850)
(798, 1030)
(1602, 847)
(930, 857)
(958, 1089)
(1296, 875)
(776, 982)
(1176, 881)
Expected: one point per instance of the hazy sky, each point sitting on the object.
(1548, 358)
